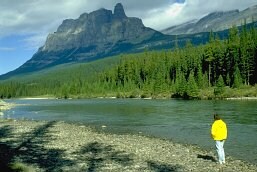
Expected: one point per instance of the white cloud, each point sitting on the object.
(33, 42)
(162, 18)
(40, 17)
(191, 9)
(7, 49)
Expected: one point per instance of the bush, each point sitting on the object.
(20, 167)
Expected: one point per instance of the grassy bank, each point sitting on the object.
(244, 92)
(59, 146)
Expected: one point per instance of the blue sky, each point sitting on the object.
(14, 52)
(25, 24)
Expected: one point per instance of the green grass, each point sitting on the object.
(243, 91)
(21, 167)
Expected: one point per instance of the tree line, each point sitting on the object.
(184, 72)
(189, 72)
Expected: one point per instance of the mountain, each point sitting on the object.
(95, 35)
(103, 33)
(215, 21)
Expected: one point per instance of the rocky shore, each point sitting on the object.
(60, 146)
(5, 106)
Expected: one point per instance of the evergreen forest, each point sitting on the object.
(218, 69)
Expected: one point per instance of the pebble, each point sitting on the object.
(69, 147)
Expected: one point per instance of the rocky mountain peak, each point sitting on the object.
(93, 35)
(119, 11)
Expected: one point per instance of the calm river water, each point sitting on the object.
(179, 120)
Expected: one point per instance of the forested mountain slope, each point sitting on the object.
(220, 68)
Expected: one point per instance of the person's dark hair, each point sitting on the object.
(216, 117)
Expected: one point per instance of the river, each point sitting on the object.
(182, 121)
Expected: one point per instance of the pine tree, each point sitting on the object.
(180, 83)
(219, 89)
(192, 88)
(237, 78)
(209, 59)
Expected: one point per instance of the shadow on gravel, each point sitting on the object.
(158, 167)
(5, 131)
(6, 156)
(206, 157)
(6, 151)
(97, 154)
(31, 150)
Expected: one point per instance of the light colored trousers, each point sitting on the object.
(220, 150)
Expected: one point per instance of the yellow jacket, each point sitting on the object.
(219, 130)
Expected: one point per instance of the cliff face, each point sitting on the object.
(99, 27)
(89, 37)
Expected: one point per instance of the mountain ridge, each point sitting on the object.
(215, 21)
(100, 34)
(93, 35)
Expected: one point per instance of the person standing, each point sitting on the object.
(219, 134)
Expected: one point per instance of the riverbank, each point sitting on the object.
(242, 98)
(5, 106)
(59, 146)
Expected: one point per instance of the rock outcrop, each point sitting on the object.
(93, 35)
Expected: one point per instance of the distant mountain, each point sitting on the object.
(216, 21)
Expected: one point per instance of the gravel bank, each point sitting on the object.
(59, 146)
(5, 106)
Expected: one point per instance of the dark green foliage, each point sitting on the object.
(192, 88)
(219, 89)
(183, 72)
(237, 78)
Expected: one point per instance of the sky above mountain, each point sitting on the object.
(25, 24)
